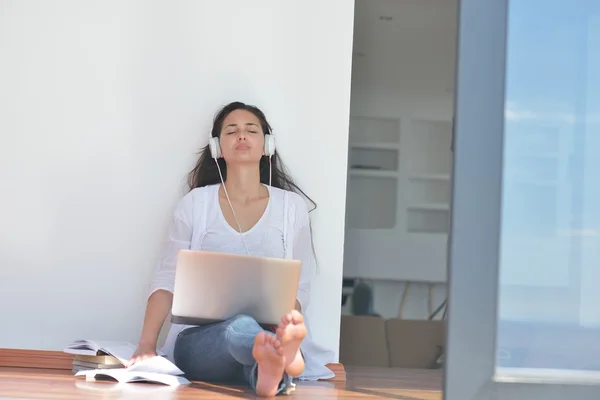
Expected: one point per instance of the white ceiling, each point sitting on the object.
(415, 50)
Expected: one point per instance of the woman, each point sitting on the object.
(243, 215)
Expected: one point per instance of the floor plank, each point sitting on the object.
(362, 383)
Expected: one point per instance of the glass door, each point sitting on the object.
(524, 309)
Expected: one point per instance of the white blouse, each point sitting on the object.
(283, 231)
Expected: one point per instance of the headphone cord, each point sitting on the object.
(231, 205)
(232, 210)
(270, 170)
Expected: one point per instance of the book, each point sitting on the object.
(104, 360)
(118, 390)
(122, 351)
(84, 365)
(155, 369)
(81, 362)
(123, 376)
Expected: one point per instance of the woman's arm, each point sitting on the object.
(303, 251)
(160, 300)
(157, 309)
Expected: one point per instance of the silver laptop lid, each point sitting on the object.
(212, 287)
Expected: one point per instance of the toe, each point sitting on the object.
(260, 338)
(297, 317)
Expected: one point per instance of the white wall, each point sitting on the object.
(103, 106)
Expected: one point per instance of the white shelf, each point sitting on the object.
(375, 146)
(432, 126)
(373, 173)
(398, 196)
(430, 207)
(430, 164)
(428, 219)
(374, 202)
(373, 162)
(373, 159)
(429, 143)
(430, 177)
(374, 129)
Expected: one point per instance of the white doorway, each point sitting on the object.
(399, 178)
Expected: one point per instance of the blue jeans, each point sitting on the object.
(222, 352)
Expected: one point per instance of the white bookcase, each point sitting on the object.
(398, 201)
(429, 165)
(373, 173)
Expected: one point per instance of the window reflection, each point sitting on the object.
(549, 305)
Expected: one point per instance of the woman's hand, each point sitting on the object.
(142, 352)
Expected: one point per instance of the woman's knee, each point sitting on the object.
(243, 324)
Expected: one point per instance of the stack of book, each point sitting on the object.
(94, 359)
(86, 363)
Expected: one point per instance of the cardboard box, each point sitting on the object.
(395, 343)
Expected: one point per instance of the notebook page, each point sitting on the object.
(170, 380)
(157, 364)
(124, 376)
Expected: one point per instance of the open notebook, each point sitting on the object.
(154, 370)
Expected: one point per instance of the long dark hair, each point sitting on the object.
(206, 172)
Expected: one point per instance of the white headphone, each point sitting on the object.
(215, 146)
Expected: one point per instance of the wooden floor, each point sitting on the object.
(362, 383)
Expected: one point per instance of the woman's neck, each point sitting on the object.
(243, 183)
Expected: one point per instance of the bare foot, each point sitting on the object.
(268, 353)
(290, 332)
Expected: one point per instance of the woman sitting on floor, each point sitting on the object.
(251, 206)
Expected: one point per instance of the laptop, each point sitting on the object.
(212, 287)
